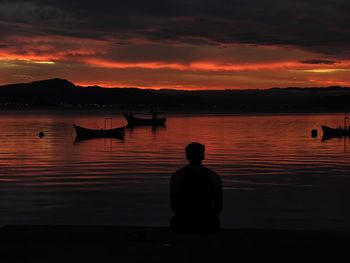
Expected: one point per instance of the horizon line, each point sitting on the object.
(85, 85)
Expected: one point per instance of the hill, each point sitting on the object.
(64, 93)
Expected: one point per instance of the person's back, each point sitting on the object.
(195, 195)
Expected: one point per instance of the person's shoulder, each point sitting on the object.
(213, 174)
(179, 172)
(177, 177)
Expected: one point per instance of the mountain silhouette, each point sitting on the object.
(64, 93)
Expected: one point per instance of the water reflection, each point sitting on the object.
(108, 144)
(154, 129)
(78, 140)
(230, 141)
(268, 164)
(338, 140)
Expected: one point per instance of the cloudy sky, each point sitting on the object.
(184, 44)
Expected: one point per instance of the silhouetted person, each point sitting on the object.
(195, 195)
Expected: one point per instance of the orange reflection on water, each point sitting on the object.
(269, 164)
(266, 143)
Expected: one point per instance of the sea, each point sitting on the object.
(274, 173)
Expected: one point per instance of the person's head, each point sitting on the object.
(195, 152)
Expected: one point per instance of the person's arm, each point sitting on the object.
(218, 193)
(173, 194)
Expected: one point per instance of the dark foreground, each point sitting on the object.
(159, 244)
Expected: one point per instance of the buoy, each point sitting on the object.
(314, 133)
(41, 134)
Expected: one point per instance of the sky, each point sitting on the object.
(183, 44)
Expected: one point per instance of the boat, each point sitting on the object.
(85, 133)
(340, 131)
(335, 132)
(154, 121)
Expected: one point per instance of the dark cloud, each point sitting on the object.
(319, 61)
(317, 26)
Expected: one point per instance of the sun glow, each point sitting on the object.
(44, 62)
(23, 60)
(325, 70)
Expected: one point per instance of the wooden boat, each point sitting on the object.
(82, 132)
(135, 121)
(335, 132)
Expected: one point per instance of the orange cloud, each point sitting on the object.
(51, 48)
(330, 82)
(95, 62)
(125, 65)
(217, 66)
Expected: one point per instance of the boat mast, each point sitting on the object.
(345, 119)
(108, 119)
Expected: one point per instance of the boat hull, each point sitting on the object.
(335, 132)
(134, 121)
(82, 132)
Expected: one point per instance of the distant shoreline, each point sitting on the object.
(166, 112)
(62, 95)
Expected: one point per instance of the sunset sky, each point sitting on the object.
(184, 44)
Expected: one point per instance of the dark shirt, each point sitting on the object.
(196, 199)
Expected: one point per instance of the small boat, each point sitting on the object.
(335, 132)
(82, 132)
(154, 121)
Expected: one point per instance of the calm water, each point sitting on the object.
(274, 174)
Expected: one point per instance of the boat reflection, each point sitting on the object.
(337, 139)
(334, 137)
(154, 129)
(100, 144)
(87, 139)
